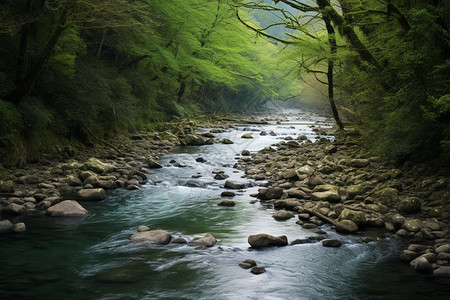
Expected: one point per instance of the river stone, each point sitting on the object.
(156, 236)
(408, 255)
(358, 217)
(265, 240)
(245, 153)
(355, 190)
(152, 163)
(95, 165)
(14, 209)
(346, 226)
(247, 136)
(208, 241)
(398, 221)
(258, 270)
(421, 264)
(315, 180)
(67, 208)
(19, 227)
(288, 204)
(234, 185)
(297, 193)
(359, 163)
(143, 228)
(289, 174)
(5, 226)
(443, 248)
(331, 243)
(91, 194)
(444, 256)
(228, 194)
(227, 141)
(413, 225)
(388, 196)
(443, 272)
(282, 215)
(194, 140)
(228, 203)
(307, 170)
(330, 196)
(179, 241)
(7, 186)
(72, 180)
(221, 176)
(409, 205)
(270, 193)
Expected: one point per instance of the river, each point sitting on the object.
(93, 258)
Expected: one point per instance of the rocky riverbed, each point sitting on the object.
(325, 182)
(339, 183)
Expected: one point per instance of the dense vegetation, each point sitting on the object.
(389, 61)
(72, 70)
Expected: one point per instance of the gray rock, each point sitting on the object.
(153, 236)
(443, 248)
(234, 185)
(97, 166)
(67, 208)
(143, 228)
(19, 227)
(245, 153)
(270, 193)
(91, 194)
(289, 174)
(346, 226)
(444, 256)
(330, 196)
(228, 194)
(152, 163)
(443, 272)
(282, 215)
(5, 226)
(355, 190)
(331, 243)
(359, 163)
(247, 136)
(288, 204)
(265, 240)
(228, 203)
(179, 241)
(14, 209)
(221, 176)
(398, 221)
(409, 205)
(208, 241)
(307, 170)
(7, 186)
(358, 217)
(72, 180)
(227, 141)
(297, 193)
(258, 270)
(421, 264)
(408, 255)
(194, 140)
(413, 225)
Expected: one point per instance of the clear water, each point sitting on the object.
(93, 258)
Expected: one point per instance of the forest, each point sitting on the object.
(71, 69)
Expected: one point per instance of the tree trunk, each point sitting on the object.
(333, 50)
(26, 84)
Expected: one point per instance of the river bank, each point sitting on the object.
(319, 181)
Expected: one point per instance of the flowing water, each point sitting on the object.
(93, 258)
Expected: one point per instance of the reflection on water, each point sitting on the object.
(93, 258)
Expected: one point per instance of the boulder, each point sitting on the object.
(258, 270)
(443, 272)
(67, 208)
(95, 165)
(443, 248)
(19, 227)
(421, 264)
(270, 193)
(331, 243)
(226, 202)
(5, 226)
(358, 217)
(72, 180)
(297, 193)
(289, 174)
(282, 215)
(388, 196)
(408, 255)
(346, 226)
(227, 194)
(288, 204)
(194, 140)
(330, 196)
(247, 136)
(315, 180)
(398, 221)
(355, 190)
(265, 240)
(221, 176)
(359, 163)
(152, 163)
(409, 205)
(143, 228)
(152, 236)
(245, 153)
(227, 141)
(234, 185)
(208, 241)
(14, 209)
(307, 170)
(413, 225)
(91, 194)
